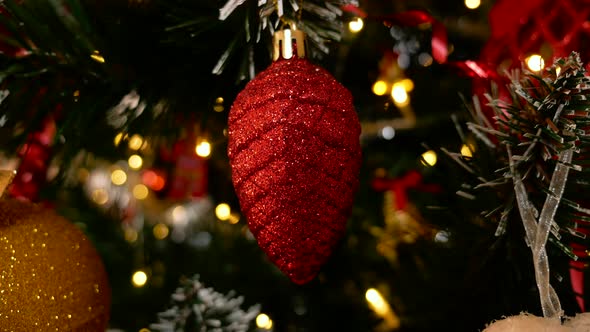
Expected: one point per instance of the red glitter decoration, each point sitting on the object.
(295, 156)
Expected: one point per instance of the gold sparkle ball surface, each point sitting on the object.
(51, 277)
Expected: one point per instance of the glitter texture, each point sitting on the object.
(52, 279)
(295, 156)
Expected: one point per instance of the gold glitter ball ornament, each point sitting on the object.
(51, 277)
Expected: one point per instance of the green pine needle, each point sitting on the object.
(548, 113)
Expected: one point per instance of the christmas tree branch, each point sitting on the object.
(542, 135)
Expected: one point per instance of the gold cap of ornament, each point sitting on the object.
(284, 39)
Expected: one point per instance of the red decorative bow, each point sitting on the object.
(399, 186)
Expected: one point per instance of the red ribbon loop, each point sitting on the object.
(399, 186)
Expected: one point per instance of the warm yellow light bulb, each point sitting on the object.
(407, 83)
(118, 139)
(203, 149)
(218, 107)
(400, 95)
(263, 321)
(466, 151)
(135, 142)
(535, 62)
(96, 56)
(376, 301)
(118, 177)
(223, 211)
(472, 4)
(429, 158)
(356, 25)
(234, 218)
(380, 88)
(140, 191)
(100, 196)
(130, 235)
(179, 215)
(135, 161)
(139, 278)
(161, 231)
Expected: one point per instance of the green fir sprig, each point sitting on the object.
(530, 156)
(546, 114)
(197, 308)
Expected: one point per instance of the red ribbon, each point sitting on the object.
(412, 18)
(400, 186)
(475, 69)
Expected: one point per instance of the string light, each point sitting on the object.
(407, 83)
(135, 161)
(161, 231)
(380, 88)
(118, 139)
(100, 196)
(234, 218)
(223, 211)
(263, 321)
(153, 180)
(140, 191)
(400, 95)
(429, 158)
(356, 25)
(203, 148)
(425, 59)
(135, 142)
(179, 215)
(472, 4)
(130, 235)
(139, 279)
(388, 132)
(96, 56)
(535, 62)
(145, 145)
(218, 107)
(159, 183)
(118, 177)
(442, 237)
(382, 308)
(376, 301)
(466, 151)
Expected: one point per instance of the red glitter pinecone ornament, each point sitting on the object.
(295, 156)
